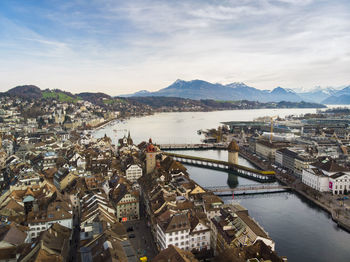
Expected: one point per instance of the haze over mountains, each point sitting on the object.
(199, 89)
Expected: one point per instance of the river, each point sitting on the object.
(301, 230)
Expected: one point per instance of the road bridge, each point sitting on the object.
(247, 172)
(248, 189)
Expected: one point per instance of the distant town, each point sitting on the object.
(69, 196)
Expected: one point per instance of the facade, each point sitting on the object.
(49, 160)
(315, 178)
(151, 152)
(199, 235)
(267, 149)
(339, 183)
(128, 207)
(63, 178)
(327, 175)
(133, 172)
(174, 231)
(41, 220)
(301, 163)
(279, 158)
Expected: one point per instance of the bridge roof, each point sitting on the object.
(245, 123)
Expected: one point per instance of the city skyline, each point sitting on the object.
(119, 47)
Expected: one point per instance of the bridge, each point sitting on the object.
(193, 146)
(248, 189)
(247, 172)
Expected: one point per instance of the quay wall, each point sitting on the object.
(343, 224)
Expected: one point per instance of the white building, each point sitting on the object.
(133, 172)
(327, 175)
(49, 160)
(38, 221)
(339, 183)
(174, 231)
(316, 178)
(199, 235)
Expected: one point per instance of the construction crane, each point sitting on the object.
(271, 128)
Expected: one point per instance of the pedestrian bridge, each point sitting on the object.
(248, 189)
(193, 146)
(247, 172)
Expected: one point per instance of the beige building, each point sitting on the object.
(267, 149)
(64, 178)
(127, 203)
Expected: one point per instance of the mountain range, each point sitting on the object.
(199, 89)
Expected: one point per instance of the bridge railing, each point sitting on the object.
(245, 188)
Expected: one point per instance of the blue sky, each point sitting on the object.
(121, 47)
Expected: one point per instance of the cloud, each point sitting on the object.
(124, 46)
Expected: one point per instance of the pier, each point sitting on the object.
(250, 173)
(248, 189)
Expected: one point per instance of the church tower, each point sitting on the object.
(233, 150)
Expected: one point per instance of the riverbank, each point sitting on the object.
(339, 214)
(103, 124)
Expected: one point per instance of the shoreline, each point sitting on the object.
(335, 218)
(329, 210)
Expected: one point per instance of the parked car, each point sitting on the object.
(132, 236)
(129, 229)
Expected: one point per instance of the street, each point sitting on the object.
(143, 242)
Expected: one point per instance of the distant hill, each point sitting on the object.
(34, 92)
(199, 89)
(25, 91)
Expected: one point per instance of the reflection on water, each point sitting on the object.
(232, 180)
(301, 230)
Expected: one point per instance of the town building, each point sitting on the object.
(127, 202)
(174, 230)
(41, 218)
(267, 149)
(327, 175)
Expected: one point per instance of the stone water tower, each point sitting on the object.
(233, 150)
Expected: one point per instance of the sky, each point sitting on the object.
(120, 47)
